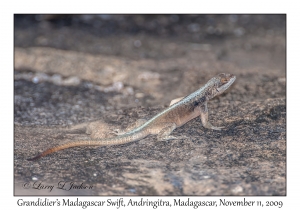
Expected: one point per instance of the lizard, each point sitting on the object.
(179, 112)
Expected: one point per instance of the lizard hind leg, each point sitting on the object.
(164, 134)
(99, 130)
(130, 127)
(76, 129)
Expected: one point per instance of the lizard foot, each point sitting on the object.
(208, 125)
(164, 134)
(217, 128)
(166, 138)
(132, 126)
(118, 132)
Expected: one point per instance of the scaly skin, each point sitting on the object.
(165, 122)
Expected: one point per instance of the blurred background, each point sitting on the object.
(134, 36)
(143, 59)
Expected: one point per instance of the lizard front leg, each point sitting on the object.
(204, 117)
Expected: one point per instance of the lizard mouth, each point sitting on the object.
(227, 85)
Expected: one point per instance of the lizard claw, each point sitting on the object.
(165, 138)
(217, 128)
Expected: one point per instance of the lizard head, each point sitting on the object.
(221, 82)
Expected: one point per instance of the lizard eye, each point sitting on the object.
(224, 80)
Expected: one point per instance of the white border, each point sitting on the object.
(216, 6)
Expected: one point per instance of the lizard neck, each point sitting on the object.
(198, 97)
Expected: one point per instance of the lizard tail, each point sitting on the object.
(66, 146)
(126, 138)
